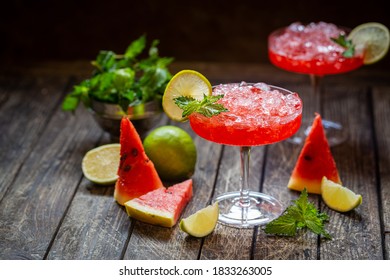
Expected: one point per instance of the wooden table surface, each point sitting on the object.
(48, 210)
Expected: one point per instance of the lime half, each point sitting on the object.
(374, 38)
(185, 83)
(202, 222)
(100, 165)
(339, 198)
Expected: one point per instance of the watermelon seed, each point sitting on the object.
(127, 168)
(307, 157)
(134, 152)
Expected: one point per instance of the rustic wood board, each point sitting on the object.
(356, 234)
(280, 161)
(26, 107)
(216, 246)
(46, 182)
(381, 102)
(49, 211)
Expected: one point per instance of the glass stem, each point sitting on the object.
(316, 85)
(244, 190)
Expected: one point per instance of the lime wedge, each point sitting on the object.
(185, 83)
(202, 222)
(374, 38)
(339, 198)
(100, 165)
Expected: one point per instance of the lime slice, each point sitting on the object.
(374, 38)
(100, 165)
(202, 222)
(185, 83)
(339, 198)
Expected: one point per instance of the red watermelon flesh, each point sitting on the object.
(314, 162)
(162, 206)
(136, 171)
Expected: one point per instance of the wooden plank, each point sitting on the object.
(105, 233)
(215, 246)
(153, 242)
(26, 106)
(387, 246)
(381, 110)
(280, 161)
(34, 207)
(356, 234)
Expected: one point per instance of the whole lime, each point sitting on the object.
(172, 151)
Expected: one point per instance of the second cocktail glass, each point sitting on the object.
(309, 49)
(258, 114)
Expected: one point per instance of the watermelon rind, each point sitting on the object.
(162, 206)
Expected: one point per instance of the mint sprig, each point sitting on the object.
(347, 44)
(301, 214)
(127, 79)
(207, 106)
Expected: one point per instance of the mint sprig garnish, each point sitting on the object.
(127, 79)
(207, 106)
(347, 44)
(301, 214)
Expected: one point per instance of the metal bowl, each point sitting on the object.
(108, 116)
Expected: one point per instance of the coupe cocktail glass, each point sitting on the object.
(258, 114)
(309, 49)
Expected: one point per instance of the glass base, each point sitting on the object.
(335, 133)
(260, 210)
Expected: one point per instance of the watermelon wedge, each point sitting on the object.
(162, 206)
(136, 171)
(314, 162)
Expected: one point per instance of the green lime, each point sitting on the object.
(172, 151)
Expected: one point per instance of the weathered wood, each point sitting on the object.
(356, 235)
(26, 108)
(280, 161)
(48, 210)
(216, 245)
(45, 185)
(107, 231)
(381, 111)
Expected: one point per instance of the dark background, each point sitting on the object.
(225, 31)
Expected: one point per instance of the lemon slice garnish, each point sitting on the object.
(339, 198)
(374, 38)
(100, 165)
(185, 83)
(202, 222)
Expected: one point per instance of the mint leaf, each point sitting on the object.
(284, 225)
(301, 214)
(207, 106)
(347, 44)
(135, 48)
(105, 61)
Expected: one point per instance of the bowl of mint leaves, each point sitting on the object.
(129, 84)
